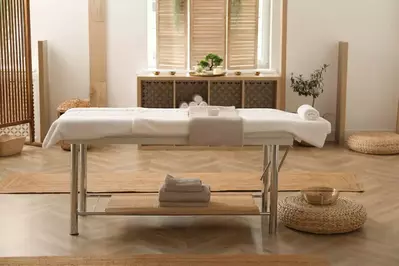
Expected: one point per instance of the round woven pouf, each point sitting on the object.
(343, 216)
(378, 143)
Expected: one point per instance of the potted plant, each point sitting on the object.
(210, 62)
(312, 86)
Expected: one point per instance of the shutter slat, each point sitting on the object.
(207, 29)
(243, 36)
(171, 38)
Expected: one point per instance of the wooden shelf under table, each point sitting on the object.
(147, 204)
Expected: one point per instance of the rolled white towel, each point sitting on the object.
(184, 105)
(203, 104)
(307, 112)
(192, 104)
(197, 98)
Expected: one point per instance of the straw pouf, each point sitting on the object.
(378, 143)
(343, 216)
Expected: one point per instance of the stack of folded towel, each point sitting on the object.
(184, 192)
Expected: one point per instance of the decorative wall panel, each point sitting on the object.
(260, 94)
(226, 93)
(157, 94)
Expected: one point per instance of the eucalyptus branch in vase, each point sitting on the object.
(312, 86)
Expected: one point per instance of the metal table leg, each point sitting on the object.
(265, 178)
(273, 190)
(74, 190)
(83, 178)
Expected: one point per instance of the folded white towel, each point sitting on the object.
(173, 184)
(204, 109)
(184, 105)
(192, 104)
(171, 180)
(307, 112)
(182, 204)
(213, 111)
(203, 104)
(197, 98)
(202, 196)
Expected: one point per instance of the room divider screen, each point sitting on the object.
(16, 86)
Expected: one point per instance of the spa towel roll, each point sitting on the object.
(192, 104)
(197, 98)
(203, 104)
(307, 112)
(203, 196)
(184, 105)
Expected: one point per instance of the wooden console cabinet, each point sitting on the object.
(244, 91)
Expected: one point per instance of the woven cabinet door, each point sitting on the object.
(260, 94)
(157, 94)
(226, 93)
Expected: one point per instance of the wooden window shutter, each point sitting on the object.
(207, 29)
(243, 35)
(171, 35)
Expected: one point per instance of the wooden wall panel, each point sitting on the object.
(281, 95)
(98, 53)
(397, 120)
(16, 90)
(343, 48)
(43, 90)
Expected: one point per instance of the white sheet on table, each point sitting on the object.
(272, 120)
(97, 123)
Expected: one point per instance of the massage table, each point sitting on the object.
(269, 128)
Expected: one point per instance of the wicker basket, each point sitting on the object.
(11, 145)
(343, 216)
(378, 143)
(73, 103)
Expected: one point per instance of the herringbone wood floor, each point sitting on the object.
(37, 225)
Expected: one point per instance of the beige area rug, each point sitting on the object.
(175, 260)
(30, 183)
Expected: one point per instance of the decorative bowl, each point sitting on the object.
(156, 73)
(237, 73)
(257, 73)
(172, 73)
(320, 195)
(11, 145)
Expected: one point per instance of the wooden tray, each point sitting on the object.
(206, 75)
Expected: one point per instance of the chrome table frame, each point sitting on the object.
(78, 201)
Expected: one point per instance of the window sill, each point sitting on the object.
(246, 72)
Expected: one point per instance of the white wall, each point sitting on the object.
(127, 49)
(314, 29)
(370, 27)
(65, 25)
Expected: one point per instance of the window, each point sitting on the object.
(182, 32)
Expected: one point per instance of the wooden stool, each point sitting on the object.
(65, 106)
